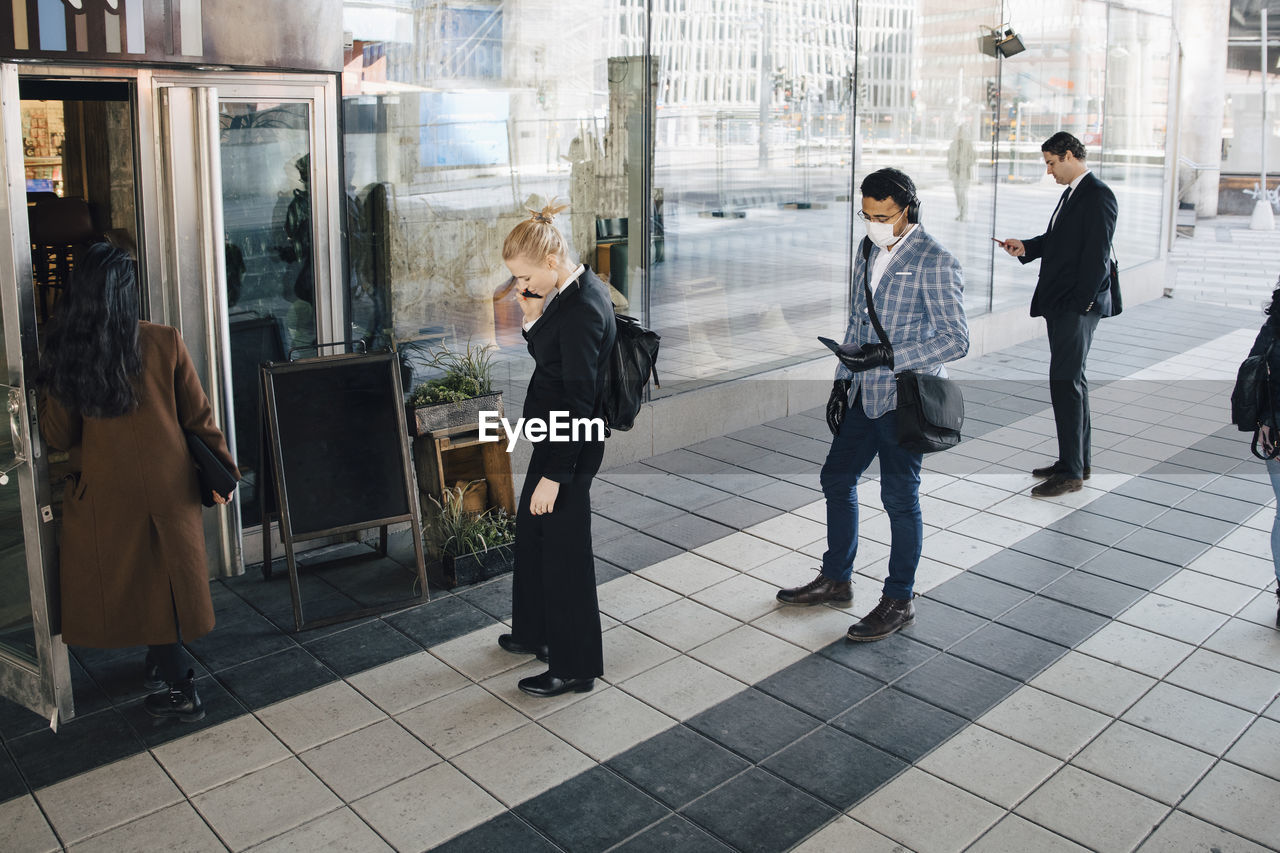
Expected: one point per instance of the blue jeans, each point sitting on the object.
(1273, 468)
(852, 450)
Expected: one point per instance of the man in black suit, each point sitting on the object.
(1072, 294)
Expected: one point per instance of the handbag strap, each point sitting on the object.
(866, 289)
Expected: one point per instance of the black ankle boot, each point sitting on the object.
(890, 615)
(181, 701)
(151, 677)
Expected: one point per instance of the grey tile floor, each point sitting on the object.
(1097, 672)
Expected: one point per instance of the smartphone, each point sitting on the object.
(998, 242)
(831, 345)
(529, 294)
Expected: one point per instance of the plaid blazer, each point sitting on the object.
(920, 303)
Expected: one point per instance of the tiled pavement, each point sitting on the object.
(1093, 673)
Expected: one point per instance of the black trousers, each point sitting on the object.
(1070, 336)
(554, 589)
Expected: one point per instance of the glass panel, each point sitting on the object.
(17, 631)
(266, 175)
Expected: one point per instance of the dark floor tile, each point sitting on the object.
(11, 784)
(115, 679)
(728, 450)
(673, 835)
(636, 551)
(219, 707)
(738, 512)
(678, 765)
(746, 813)
(592, 811)
(1153, 491)
(1047, 544)
(753, 724)
(689, 531)
(972, 592)
(782, 465)
(605, 529)
(1054, 621)
(1092, 527)
(506, 832)
(275, 678)
(1122, 508)
(1131, 569)
(1189, 525)
(607, 494)
(784, 495)
(957, 686)
(819, 686)
(83, 744)
(16, 721)
(835, 767)
(1182, 475)
(439, 621)
(690, 495)
(362, 647)
(1165, 547)
(884, 660)
(684, 462)
(1200, 460)
(234, 642)
(491, 596)
(900, 724)
(940, 625)
(1013, 653)
(368, 579)
(1252, 491)
(606, 572)
(637, 511)
(1221, 507)
(1090, 592)
(323, 605)
(1017, 569)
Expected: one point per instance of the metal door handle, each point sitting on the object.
(15, 435)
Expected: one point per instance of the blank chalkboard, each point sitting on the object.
(340, 444)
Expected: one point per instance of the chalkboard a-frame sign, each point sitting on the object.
(339, 458)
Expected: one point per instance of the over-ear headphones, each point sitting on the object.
(913, 205)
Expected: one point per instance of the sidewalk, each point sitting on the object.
(1097, 672)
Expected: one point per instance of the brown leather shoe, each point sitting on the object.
(818, 591)
(1058, 484)
(1050, 470)
(889, 616)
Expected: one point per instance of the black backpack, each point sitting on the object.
(633, 360)
(1251, 398)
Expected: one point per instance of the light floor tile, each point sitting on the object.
(952, 820)
(686, 573)
(749, 654)
(1182, 833)
(428, 808)
(957, 550)
(1254, 571)
(1227, 680)
(220, 753)
(176, 828)
(1141, 761)
(1044, 721)
(1029, 510)
(459, 721)
(607, 723)
(24, 828)
(265, 803)
(477, 654)
(1260, 611)
(682, 687)
(741, 551)
(107, 797)
(507, 688)
(789, 570)
(320, 715)
(817, 511)
(1239, 801)
(1014, 834)
(1094, 683)
(811, 628)
(844, 835)
(743, 597)
(630, 596)
(930, 573)
(369, 759)
(1189, 718)
(684, 624)
(1205, 591)
(627, 652)
(995, 529)
(409, 681)
(1257, 644)
(522, 764)
(990, 765)
(1092, 811)
(1136, 649)
(1174, 618)
(789, 531)
(1247, 540)
(1259, 748)
(341, 831)
(971, 494)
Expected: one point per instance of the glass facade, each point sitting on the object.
(710, 154)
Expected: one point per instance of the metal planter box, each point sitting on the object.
(475, 567)
(437, 417)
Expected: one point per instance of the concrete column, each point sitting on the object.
(1202, 29)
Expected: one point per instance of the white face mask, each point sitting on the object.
(881, 233)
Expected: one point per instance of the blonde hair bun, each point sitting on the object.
(547, 214)
(537, 236)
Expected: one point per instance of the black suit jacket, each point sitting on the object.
(570, 345)
(1075, 253)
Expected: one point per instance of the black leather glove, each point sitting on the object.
(838, 405)
(865, 357)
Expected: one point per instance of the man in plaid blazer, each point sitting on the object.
(918, 293)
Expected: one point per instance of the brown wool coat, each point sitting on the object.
(132, 544)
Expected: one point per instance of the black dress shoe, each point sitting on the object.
(180, 701)
(890, 615)
(1058, 484)
(1055, 468)
(548, 685)
(817, 591)
(509, 644)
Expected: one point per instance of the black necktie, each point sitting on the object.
(1053, 220)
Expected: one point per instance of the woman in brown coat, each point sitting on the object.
(118, 396)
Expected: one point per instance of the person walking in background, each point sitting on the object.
(119, 395)
(917, 289)
(960, 162)
(1073, 292)
(570, 327)
(1268, 343)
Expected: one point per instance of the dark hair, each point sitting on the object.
(1273, 310)
(91, 356)
(1061, 142)
(889, 183)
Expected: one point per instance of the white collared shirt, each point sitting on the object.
(554, 293)
(882, 260)
(1071, 190)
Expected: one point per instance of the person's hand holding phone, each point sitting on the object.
(530, 303)
(1015, 248)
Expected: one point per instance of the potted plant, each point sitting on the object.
(472, 546)
(457, 396)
